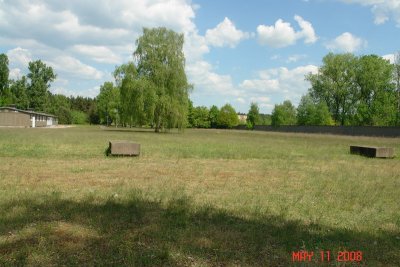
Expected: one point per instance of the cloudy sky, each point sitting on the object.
(236, 51)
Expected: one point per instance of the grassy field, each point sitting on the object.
(198, 198)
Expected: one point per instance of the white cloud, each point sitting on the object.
(282, 34)
(295, 58)
(202, 75)
(275, 57)
(261, 85)
(15, 74)
(19, 57)
(346, 42)
(383, 10)
(241, 100)
(389, 57)
(59, 32)
(59, 89)
(100, 54)
(72, 67)
(279, 35)
(263, 102)
(307, 31)
(225, 34)
(281, 82)
(195, 47)
(262, 99)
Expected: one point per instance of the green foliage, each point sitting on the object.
(375, 92)
(213, 116)
(265, 119)
(161, 66)
(19, 91)
(396, 75)
(134, 96)
(81, 103)
(200, 117)
(137, 101)
(60, 106)
(284, 114)
(40, 76)
(64, 115)
(357, 90)
(4, 72)
(311, 113)
(253, 117)
(124, 71)
(79, 117)
(6, 98)
(334, 85)
(190, 114)
(108, 102)
(94, 113)
(227, 117)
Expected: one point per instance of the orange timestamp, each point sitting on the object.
(326, 256)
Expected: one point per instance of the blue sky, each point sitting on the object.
(237, 52)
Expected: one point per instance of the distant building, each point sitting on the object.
(242, 117)
(10, 116)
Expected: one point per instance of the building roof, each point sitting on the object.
(28, 112)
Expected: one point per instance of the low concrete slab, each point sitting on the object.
(373, 152)
(123, 148)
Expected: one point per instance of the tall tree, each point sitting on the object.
(40, 76)
(123, 71)
(94, 113)
(19, 89)
(4, 72)
(253, 116)
(137, 101)
(334, 84)
(161, 62)
(190, 114)
(108, 103)
(284, 114)
(60, 106)
(227, 117)
(200, 118)
(213, 116)
(375, 93)
(397, 80)
(137, 97)
(311, 113)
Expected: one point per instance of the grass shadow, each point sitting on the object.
(50, 230)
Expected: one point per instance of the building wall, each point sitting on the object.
(11, 118)
(41, 121)
(242, 117)
(17, 118)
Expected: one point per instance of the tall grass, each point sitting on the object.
(201, 198)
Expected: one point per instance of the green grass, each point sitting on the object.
(201, 198)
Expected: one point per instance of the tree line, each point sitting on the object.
(225, 117)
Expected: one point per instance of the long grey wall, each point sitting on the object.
(343, 130)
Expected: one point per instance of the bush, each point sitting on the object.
(79, 117)
(64, 115)
(284, 114)
(227, 117)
